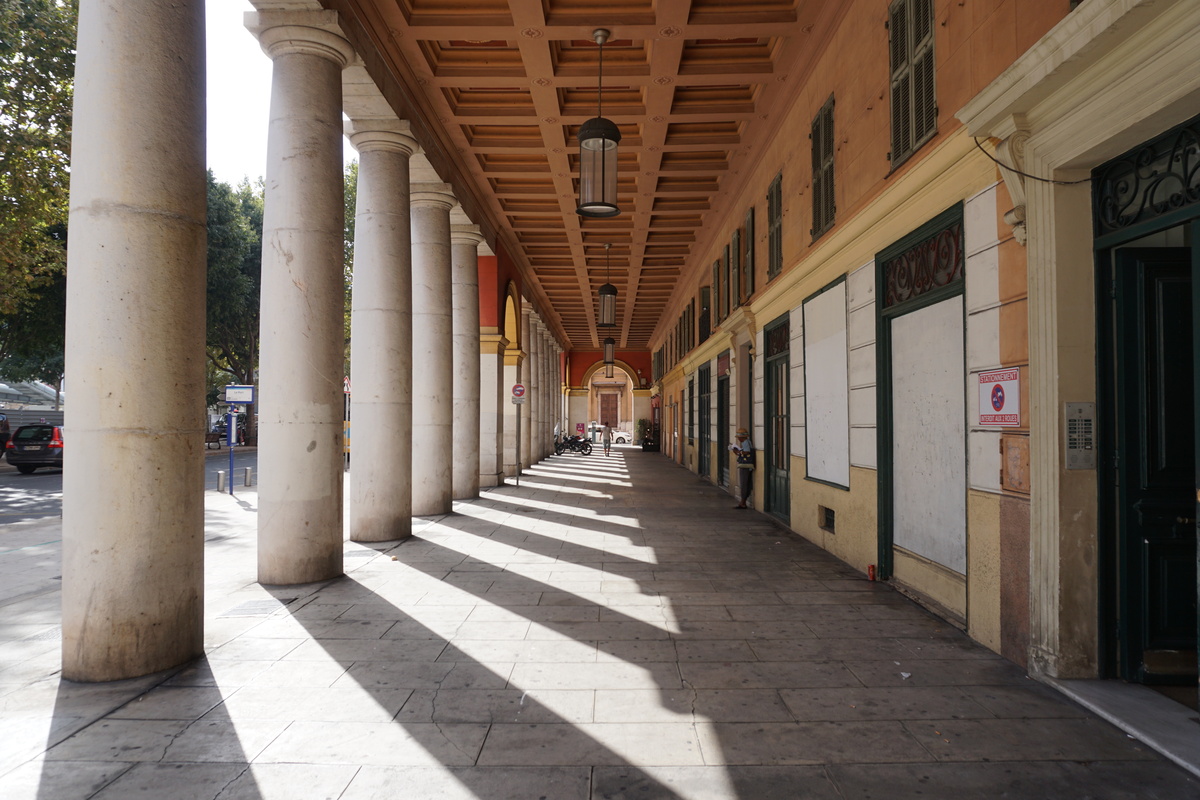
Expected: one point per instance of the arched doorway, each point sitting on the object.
(609, 399)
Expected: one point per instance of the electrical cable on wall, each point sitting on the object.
(1026, 174)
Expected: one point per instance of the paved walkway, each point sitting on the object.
(612, 628)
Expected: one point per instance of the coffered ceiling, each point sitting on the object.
(497, 90)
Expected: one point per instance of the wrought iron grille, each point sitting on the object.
(778, 339)
(930, 264)
(1150, 181)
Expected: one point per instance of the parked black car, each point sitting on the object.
(33, 446)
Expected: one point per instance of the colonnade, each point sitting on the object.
(429, 400)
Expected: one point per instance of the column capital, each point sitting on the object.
(314, 33)
(493, 343)
(432, 195)
(465, 234)
(387, 135)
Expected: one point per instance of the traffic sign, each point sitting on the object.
(1000, 398)
(518, 390)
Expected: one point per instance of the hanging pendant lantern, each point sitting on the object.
(598, 139)
(607, 295)
(610, 350)
(608, 370)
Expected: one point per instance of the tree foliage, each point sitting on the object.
(33, 338)
(37, 66)
(350, 187)
(235, 220)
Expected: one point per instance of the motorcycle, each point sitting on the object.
(573, 444)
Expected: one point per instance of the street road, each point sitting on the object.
(37, 496)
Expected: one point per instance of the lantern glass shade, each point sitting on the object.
(598, 139)
(608, 306)
(610, 350)
(608, 370)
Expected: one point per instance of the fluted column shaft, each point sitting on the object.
(381, 330)
(302, 303)
(465, 241)
(133, 511)
(433, 374)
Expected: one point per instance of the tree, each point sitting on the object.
(33, 338)
(350, 187)
(37, 67)
(235, 221)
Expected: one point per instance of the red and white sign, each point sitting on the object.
(1000, 398)
(579, 428)
(518, 390)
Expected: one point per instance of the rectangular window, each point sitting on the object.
(729, 283)
(824, 207)
(691, 412)
(748, 257)
(775, 227)
(718, 290)
(914, 101)
(735, 269)
(705, 312)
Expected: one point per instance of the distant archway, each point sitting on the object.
(611, 399)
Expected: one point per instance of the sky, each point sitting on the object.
(239, 95)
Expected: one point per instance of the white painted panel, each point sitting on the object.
(983, 279)
(983, 340)
(862, 326)
(862, 407)
(862, 366)
(985, 460)
(929, 471)
(864, 448)
(799, 438)
(827, 389)
(980, 221)
(860, 286)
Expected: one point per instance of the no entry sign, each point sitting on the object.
(1000, 398)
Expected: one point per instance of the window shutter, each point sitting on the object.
(748, 257)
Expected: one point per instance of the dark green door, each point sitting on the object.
(704, 379)
(723, 430)
(777, 447)
(1155, 414)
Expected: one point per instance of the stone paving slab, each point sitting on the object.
(610, 629)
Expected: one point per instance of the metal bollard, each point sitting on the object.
(249, 477)
(221, 481)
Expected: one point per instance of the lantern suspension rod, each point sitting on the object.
(601, 36)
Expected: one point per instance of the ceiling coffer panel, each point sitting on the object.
(497, 91)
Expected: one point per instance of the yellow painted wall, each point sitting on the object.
(856, 512)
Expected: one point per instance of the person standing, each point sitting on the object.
(745, 465)
(606, 437)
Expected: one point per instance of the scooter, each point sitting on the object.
(573, 444)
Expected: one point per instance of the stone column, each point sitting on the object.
(533, 390)
(526, 377)
(555, 389)
(381, 329)
(492, 399)
(433, 376)
(511, 446)
(133, 509)
(302, 304)
(548, 395)
(465, 241)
